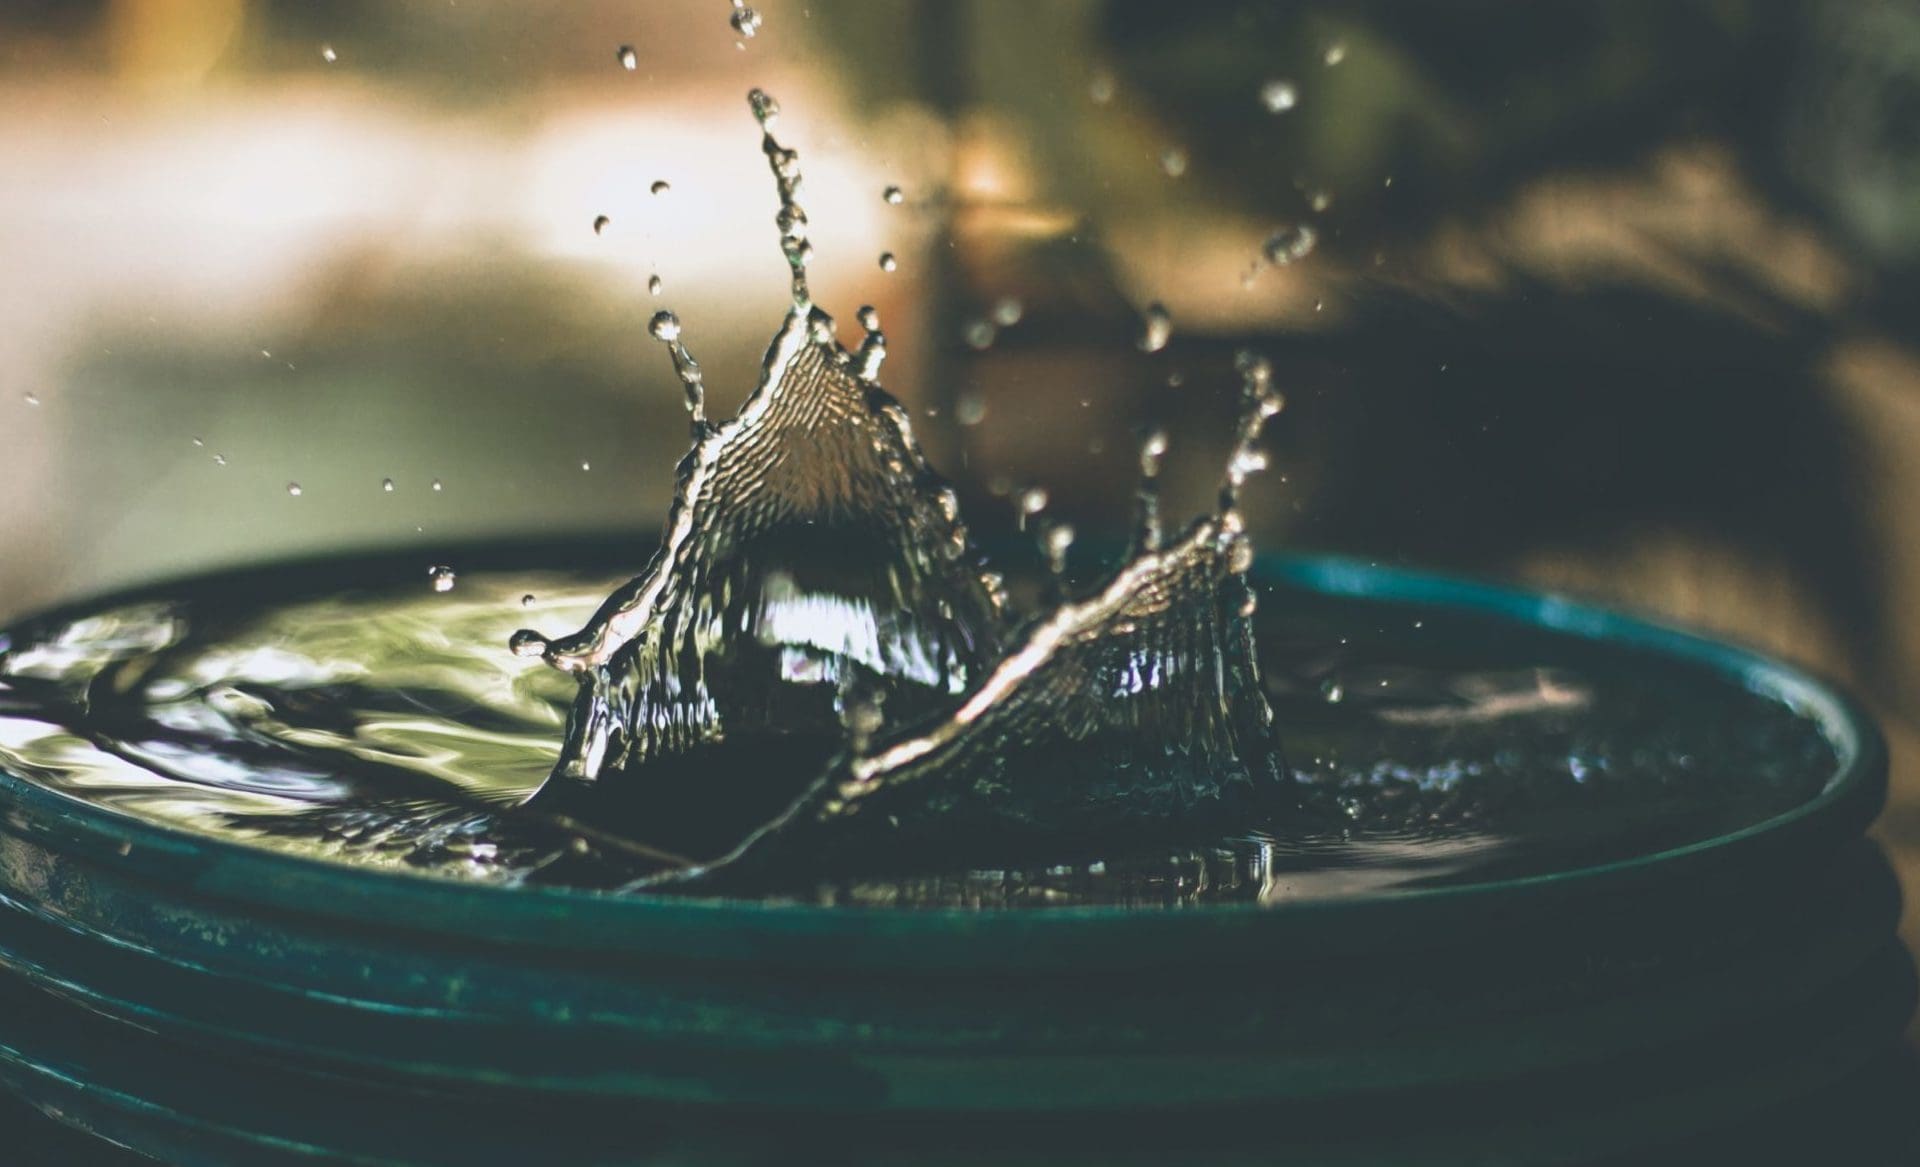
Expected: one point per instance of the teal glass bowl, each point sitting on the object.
(217, 1002)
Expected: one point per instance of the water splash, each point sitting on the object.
(809, 548)
(817, 633)
(1133, 712)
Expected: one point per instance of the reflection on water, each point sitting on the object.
(389, 728)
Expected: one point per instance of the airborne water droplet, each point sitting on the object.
(1157, 328)
(1336, 53)
(328, 55)
(1173, 160)
(527, 642)
(766, 110)
(442, 577)
(1319, 200)
(660, 186)
(1059, 540)
(745, 21)
(526, 601)
(438, 486)
(30, 398)
(653, 285)
(1279, 96)
(894, 196)
(600, 223)
(386, 484)
(1290, 244)
(629, 60)
(820, 444)
(293, 488)
(1100, 88)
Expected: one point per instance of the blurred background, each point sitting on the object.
(1621, 300)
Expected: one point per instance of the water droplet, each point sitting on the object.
(1319, 200)
(664, 325)
(526, 601)
(600, 223)
(745, 21)
(386, 484)
(1336, 53)
(442, 577)
(1007, 311)
(653, 285)
(1059, 540)
(1032, 500)
(198, 442)
(887, 262)
(1173, 160)
(629, 60)
(586, 466)
(1290, 244)
(1157, 328)
(328, 55)
(30, 398)
(293, 488)
(1279, 96)
(766, 110)
(438, 486)
(980, 335)
(868, 317)
(970, 408)
(894, 196)
(1100, 88)
(1153, 447)
(1245, 463)
(660, 186)
(527, 642)
(219, 459)
(1333, 691)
